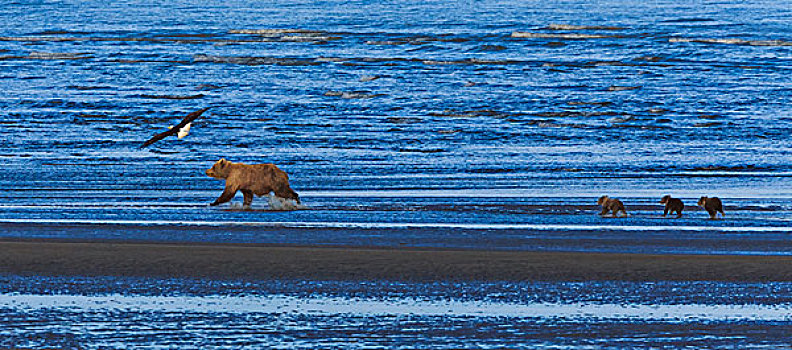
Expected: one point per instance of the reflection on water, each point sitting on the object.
(396, 307)
(399, 225)
(109, 312)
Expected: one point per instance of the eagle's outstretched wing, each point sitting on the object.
(174, 130)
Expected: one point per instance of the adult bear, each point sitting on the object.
(258, 179)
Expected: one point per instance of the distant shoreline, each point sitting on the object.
(45, 257)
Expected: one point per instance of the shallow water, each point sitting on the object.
(484, 125)
(113, 312)
(397, 307)
(488, 115)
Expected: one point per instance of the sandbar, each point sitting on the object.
(52, 257)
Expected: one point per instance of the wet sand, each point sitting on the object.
(241, 261)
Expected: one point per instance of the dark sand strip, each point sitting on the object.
(69, 258)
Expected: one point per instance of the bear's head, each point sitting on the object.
(602, 200)
(220, 169)
(702, 201)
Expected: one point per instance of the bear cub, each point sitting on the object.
(611, 204)
(672, 205)
(712, 205)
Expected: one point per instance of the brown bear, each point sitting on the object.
(611, 204)
(672, 205)
(712, 206)
(258, 179)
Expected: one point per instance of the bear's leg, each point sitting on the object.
(288, 193)
(620, 208)
(295, 196)
(227, 195)
(248, 197)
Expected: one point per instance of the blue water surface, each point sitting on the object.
(492, 124)
(398, 112)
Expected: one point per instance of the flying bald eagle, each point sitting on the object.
(180, 130)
